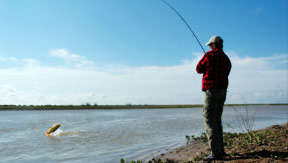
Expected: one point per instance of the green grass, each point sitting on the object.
(87, 106)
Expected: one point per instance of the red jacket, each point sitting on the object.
(215, 67)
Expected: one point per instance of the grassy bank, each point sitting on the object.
(89, 106)
(266, 145)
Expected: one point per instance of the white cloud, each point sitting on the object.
(69, 58)
(257, 80)
(12, 61)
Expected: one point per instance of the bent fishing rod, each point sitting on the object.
(184, 22)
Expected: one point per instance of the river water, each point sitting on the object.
(106, 136)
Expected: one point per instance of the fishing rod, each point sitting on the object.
(184, 22)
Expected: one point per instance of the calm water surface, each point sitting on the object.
(105, 136)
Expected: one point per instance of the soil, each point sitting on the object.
(266, 145)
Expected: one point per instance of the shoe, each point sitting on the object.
(213, 157)
(225, 154)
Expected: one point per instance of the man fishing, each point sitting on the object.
(215, 67)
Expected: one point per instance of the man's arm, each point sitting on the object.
(201, 66)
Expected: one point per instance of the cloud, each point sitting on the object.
(69, 58)
(262, 63)
(257, 80)
(12, 62)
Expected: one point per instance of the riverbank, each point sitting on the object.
(89, 106)
(265, 145)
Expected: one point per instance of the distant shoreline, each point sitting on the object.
(108, 107)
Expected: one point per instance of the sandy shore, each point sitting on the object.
(270, 145)
(197, 148)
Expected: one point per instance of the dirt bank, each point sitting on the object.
(266, 145)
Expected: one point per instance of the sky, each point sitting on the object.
(109, 52)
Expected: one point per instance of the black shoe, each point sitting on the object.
(213, 157)
(225, 154)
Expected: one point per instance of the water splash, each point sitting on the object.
(60, 132)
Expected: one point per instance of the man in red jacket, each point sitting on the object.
(215, 67)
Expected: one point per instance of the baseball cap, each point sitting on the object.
(215, 39)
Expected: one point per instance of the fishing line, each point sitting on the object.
(184, 22)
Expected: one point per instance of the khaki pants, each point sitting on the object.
(213, 109)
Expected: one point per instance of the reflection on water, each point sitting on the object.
(108, 135)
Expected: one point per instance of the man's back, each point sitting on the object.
(215, 66)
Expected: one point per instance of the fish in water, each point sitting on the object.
(53, 129)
